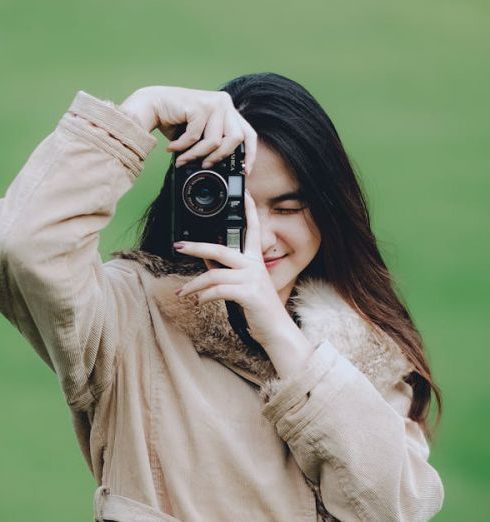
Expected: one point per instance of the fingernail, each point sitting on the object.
(179, 245)
(206, 164)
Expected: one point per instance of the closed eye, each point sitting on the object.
(289, 210)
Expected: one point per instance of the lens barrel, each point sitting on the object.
(205, 193)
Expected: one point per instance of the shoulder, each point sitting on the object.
(325, 314)
(158, 277)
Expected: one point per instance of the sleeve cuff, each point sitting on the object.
(288, 393)
(107, 116)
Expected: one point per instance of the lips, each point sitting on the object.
(273, 261)
(269, 259)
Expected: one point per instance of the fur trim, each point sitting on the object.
(327, 316)
(206, 325)
(323, 315)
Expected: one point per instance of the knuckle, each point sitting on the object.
(208, 102)
(213, 275)
(211, 158)
(224, 99)
(237, 136)
(251, 132)
(214, 158)
(225, 95)
(214, 142)
(193, 136)
(205, 106)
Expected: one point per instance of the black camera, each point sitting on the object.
(208, 204)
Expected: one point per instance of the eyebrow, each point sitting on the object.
(297, 194)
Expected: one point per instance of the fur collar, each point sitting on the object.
(320, 311)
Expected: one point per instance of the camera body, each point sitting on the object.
(208, 204)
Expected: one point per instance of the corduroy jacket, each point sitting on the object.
(177, 419)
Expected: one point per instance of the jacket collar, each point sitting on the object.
(319, 310)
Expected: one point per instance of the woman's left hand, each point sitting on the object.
(246, 282)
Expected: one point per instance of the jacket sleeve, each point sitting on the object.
(369, 459)
(54, 287)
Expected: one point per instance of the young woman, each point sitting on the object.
(177, 418)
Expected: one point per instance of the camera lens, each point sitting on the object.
(205, 193)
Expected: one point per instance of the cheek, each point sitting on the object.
(310, 232)
(302, 235)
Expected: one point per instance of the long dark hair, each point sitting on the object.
(287, 118)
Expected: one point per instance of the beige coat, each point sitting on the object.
(177, 419)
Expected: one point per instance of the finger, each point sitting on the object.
(227, 292)
(250, 143)
(213, 136)
(214, 277)
(233, 136)
(211, 251)
(192, 134)
(253, 244)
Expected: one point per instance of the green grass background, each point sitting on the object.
(407, 86)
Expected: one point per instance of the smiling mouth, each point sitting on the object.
(272, 262)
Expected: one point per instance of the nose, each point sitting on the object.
(268, 236)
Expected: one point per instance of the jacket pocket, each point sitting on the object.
(115, 508)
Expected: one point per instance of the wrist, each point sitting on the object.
(288, 350)
(139, 108)
(284, 331)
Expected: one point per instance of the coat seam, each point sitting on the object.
(132, 165)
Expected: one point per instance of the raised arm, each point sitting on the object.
(53, 285)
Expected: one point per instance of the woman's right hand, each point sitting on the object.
(208, 114)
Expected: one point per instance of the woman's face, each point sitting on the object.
(286, 227)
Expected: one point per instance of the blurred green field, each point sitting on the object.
(407, 86)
